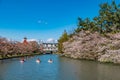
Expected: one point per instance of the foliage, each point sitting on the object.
(10, 48)
(107, 21)
(62, 39)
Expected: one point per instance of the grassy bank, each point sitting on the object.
(17, 56)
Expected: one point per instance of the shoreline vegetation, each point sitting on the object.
(12, 49)
(97, 39)
(18, 56)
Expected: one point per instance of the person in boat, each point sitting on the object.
(50, 60)
(38, 60)
(22, 60)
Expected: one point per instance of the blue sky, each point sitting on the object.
(43, 19)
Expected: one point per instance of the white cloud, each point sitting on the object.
(56, 41)
(50, 40)
(29, 40)
(42, 22)
(32, 40)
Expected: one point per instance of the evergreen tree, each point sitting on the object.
(62, 39)
(109, 17)
(107, 21)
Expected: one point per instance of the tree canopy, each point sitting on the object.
(62, 39)
(107, 21)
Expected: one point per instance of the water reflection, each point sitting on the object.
(88, 70)
(61, 69)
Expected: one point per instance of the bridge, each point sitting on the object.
(49, 47)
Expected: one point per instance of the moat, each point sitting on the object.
(62, 68)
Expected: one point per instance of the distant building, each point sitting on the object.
(25, 41)
(50, 47)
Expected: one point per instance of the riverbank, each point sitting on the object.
(17, 56)
(93, 46)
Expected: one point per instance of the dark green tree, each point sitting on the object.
(109, 17)
(107, 21)
(62, 39)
